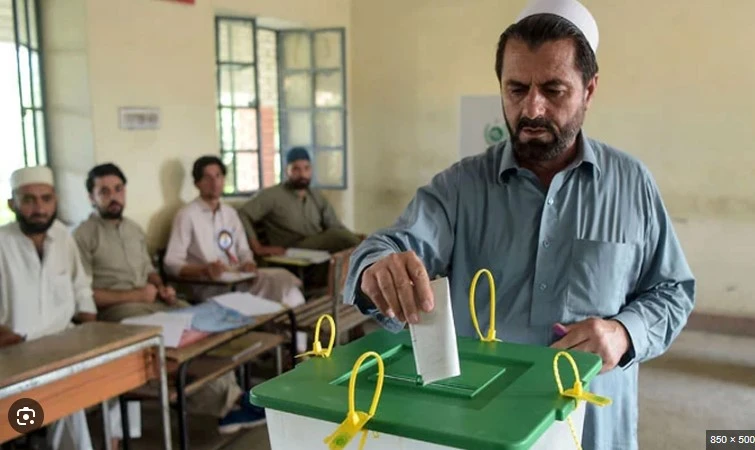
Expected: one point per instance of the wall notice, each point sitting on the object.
(481, 124)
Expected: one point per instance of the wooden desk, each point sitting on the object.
(193, 361)
(81, 367)
(299, 266)
(232, 285)
(286, 261)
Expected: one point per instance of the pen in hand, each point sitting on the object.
(559, 330)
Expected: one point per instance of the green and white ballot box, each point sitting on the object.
(367, 394)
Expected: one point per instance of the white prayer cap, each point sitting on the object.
(571, 10)
(31, 175)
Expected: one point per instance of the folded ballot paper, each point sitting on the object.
(436, 354)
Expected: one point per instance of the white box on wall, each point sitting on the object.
(481, 124)
(139, 118)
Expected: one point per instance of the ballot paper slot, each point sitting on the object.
(482, 377)
(439, 387)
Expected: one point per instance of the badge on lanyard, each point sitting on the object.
(225, 242)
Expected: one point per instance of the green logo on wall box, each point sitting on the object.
(495, 133)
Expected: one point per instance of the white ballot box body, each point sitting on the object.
(294, 432)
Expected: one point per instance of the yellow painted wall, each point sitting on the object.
(156, 53)
(674, 91)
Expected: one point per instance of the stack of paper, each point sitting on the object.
(236, 277)
(313, 256)
(436, 354)
(173, 325)
(247, 304)
(212, 317)
(223, 312)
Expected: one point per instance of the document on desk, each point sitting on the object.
(247, 304)
(313, 256)
(173, 325)
(436, 353)
(212, 317)
(235, 277)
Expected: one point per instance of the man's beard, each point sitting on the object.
(537, 150)
(108, 215)
(28, 227)
(301, 183)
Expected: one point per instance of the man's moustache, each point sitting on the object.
(538, 122)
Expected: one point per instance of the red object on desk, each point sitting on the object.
(191, 336)
(189, 2)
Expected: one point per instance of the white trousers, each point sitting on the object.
(70, 433)
(134, 419)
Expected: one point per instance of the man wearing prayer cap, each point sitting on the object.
(43, 287)
(573, 230)
(292, 214)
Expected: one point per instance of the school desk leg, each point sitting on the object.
(124, 422)
(106, 427)
(183, 431)
(292, 348)
(164, 401)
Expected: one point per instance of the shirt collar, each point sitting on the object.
(586, 157)
(49, 236)
(98, 218)
(205, 207)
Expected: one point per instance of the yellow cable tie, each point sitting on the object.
(576, 392)
(317, 349)
(356, 420)
(491, 336)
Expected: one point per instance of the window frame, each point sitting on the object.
(37, 91)
(41, 154)
(282, 142)
(313, 71)
(220, 107)
(278, 95)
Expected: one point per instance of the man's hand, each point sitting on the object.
(248, 267)
(148, 293)
(606, 338)
(8, 337)
(83, 317)
(167, 294)
(399, 286)
(214, 270)
(272, 251)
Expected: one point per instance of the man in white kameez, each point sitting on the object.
(208, 239)
(43, 287)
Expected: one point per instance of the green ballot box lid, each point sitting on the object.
(505, 398)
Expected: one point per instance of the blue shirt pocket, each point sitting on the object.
(599, 276)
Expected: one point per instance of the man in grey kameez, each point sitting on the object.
(573, 230)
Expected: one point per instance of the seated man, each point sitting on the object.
(114, 253)
(208, 239)
(293, 215)
(43, 288)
